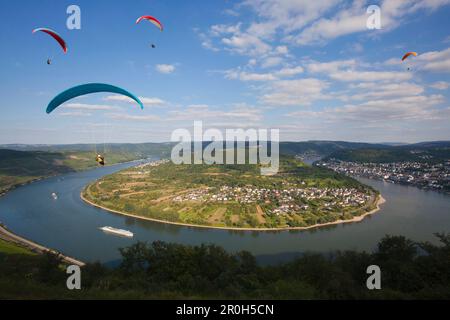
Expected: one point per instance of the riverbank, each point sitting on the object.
(17, 185)
(380, 200)
(13, 238)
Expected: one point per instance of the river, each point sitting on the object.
(71, 226)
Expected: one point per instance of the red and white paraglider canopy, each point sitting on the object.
(55, 36)
(152, 20)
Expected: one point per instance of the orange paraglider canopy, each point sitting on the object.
(411, 53)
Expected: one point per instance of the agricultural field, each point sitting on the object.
(233, 196)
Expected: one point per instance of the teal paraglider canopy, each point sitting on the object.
(88, 88)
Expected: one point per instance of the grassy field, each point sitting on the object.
(185, 194)
(10, 248)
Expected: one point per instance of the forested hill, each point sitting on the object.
(422, 152)
(18, 167)
(325, 148)
(320, 148)
(136, 149)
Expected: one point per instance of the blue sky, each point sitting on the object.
(309, 68)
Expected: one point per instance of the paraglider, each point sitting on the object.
(411, 53)
(153, 20)
(407, 55)
(55, 36)
(100, 159)
(88, 88)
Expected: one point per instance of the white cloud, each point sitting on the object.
(431, 61)
(123, 116)
(220, 29)
(240, 112)
(271, 62)
(359, 93)
(404, 108)
(237, 74)
(231, 12)
(147, 101)
(298, 92)
(165, 68)
(418, 108)
(375, 90)
(287, 15)
(152, 101)
(328, 67)
(352, 19)
(282, 50)
(246, 44)
(351, 75)
(288, 72)
(345, 70)
(440, 85)
(75, 114)
(302, 22)
(434, 61)
(85, 106)
(348, 20)
(274, 15)
(245, 76)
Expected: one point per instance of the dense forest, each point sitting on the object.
(421, 152)
(409, 270)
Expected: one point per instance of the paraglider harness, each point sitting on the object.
(100, 159)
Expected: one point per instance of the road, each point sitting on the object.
(11, 237)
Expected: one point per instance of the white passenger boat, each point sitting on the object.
(120, 232)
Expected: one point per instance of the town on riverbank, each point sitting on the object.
(424, 175)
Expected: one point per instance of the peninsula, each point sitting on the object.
(234, 197)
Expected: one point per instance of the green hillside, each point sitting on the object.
(423, 152)
(18, 167)
(234, 196)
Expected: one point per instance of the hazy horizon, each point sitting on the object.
(167, 142)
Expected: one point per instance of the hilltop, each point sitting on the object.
(437, 151)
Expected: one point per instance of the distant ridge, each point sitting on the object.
(322, 148)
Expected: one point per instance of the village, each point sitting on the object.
(432, 176)
(281, 201)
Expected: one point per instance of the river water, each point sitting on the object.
(71, 226)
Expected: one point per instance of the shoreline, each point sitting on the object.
(11, 237)
(403, 184)
(380, 200)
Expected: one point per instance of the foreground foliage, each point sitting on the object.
(166, 271)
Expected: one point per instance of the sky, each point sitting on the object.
(311, 69)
